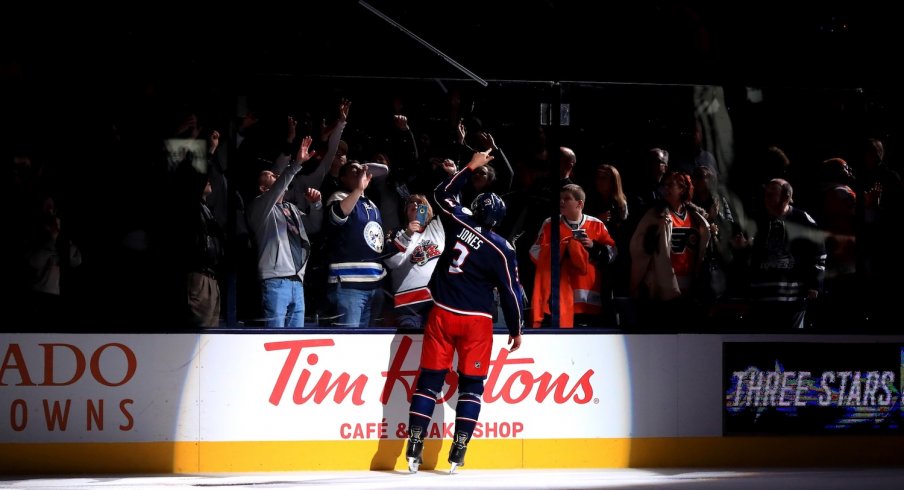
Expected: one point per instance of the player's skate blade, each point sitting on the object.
(413, 451)
(457, 452)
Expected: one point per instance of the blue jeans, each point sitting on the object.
(353, 306)
(283, 303)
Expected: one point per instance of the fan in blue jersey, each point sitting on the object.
(474, 262)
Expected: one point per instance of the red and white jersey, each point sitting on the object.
(413, 263)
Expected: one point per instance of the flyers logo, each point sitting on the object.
(684, 239)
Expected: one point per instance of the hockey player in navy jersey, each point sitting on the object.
(475, 261)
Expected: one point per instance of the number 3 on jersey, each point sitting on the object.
(460, 257)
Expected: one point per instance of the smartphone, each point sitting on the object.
(421, 216)
(579, 233)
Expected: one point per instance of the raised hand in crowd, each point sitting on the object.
(344, 106)
(291, 128)
(364, 178)
(401, 122)
(312, 195)
(213, 142)
(485, 141)
(327, 130)
(449, 166)
(872, 195)
(460, 133)
(304, 154)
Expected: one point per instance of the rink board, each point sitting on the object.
(225, 402)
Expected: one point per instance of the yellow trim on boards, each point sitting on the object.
(263, 456)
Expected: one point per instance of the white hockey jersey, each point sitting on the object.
(413, 264)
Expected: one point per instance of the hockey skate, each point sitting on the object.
(414, 449)
(457, 451)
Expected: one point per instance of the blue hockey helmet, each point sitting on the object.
(488, 209)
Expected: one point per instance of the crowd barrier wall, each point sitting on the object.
(264, 401)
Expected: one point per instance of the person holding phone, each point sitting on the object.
(585, 244)
(421, 214)
(418, 246)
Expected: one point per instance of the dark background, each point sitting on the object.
(78, 66)
(90, 93)
(769, 42)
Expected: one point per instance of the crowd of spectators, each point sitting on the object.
(290, 217)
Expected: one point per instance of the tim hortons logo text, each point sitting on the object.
(86, 368)
(508, 381)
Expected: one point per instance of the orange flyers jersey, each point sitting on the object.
(685, 246)
(582, 277)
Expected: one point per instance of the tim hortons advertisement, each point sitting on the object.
(798, 388)
(131, 388)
